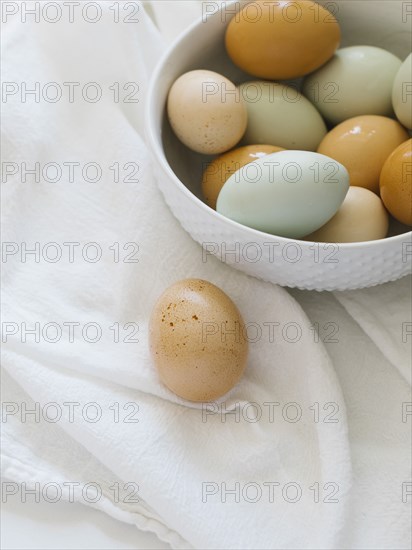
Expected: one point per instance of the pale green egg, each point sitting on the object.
(356, 81)
(290, 193)
(280, 115)
(402, 93)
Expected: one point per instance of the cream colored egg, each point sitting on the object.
(280, 114)
(402, 93)
(206, 112)
(362, 217)
(198, 340)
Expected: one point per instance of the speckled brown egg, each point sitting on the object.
(198, 340)
(222, 167)
(206, 112)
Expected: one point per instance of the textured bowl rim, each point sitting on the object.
(157, 149)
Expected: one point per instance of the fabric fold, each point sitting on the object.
(269, 465)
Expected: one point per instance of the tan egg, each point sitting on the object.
(362, 144)
(280, 39)
(206, 112)
(198, 340)
(222, 167)
(362, 217)
(396, 183)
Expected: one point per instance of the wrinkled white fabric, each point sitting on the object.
(325, 464)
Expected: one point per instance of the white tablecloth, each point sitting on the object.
(326, 465)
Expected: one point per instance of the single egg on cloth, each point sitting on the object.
(357, 80)
(198, 340)
(402, 93)
(280, 114)
(361, 217)
(396, 183)
(206, 112)
(362, 144)
(280, 39)
(289, 194)
(222, 167)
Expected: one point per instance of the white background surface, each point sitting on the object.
(74, 526)
(29, 526)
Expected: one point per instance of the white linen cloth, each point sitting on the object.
(350, 385)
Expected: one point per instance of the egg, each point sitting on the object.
(206, 112)
(280, 114)
(402, 93)
(362, 144)
(281, 39)
(361, 217)
(222, 167)
(357, 80)
(197, 340)
(290, 193)
(396, 183)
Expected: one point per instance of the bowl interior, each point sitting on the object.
(381, 23)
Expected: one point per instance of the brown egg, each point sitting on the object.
(362, 217)
(198, 340)
(222, 167)
(396, 183)
(362, 144)
(206, 112)
(281, 39)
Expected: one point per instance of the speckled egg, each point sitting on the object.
(222, 167)
(198, 340)
(206, 112)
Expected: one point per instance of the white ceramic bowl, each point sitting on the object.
(293, 263)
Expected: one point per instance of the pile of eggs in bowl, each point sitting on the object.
(315, 145)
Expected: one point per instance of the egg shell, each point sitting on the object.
(280, 114)
(402, 93)
(357, 80)
(361, 217)
(281, 39)
(290, 193)
(196, 355)
(206, 112)
(222, 167)
(362, 144)
(396, 183)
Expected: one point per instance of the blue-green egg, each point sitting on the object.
(290, 193)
